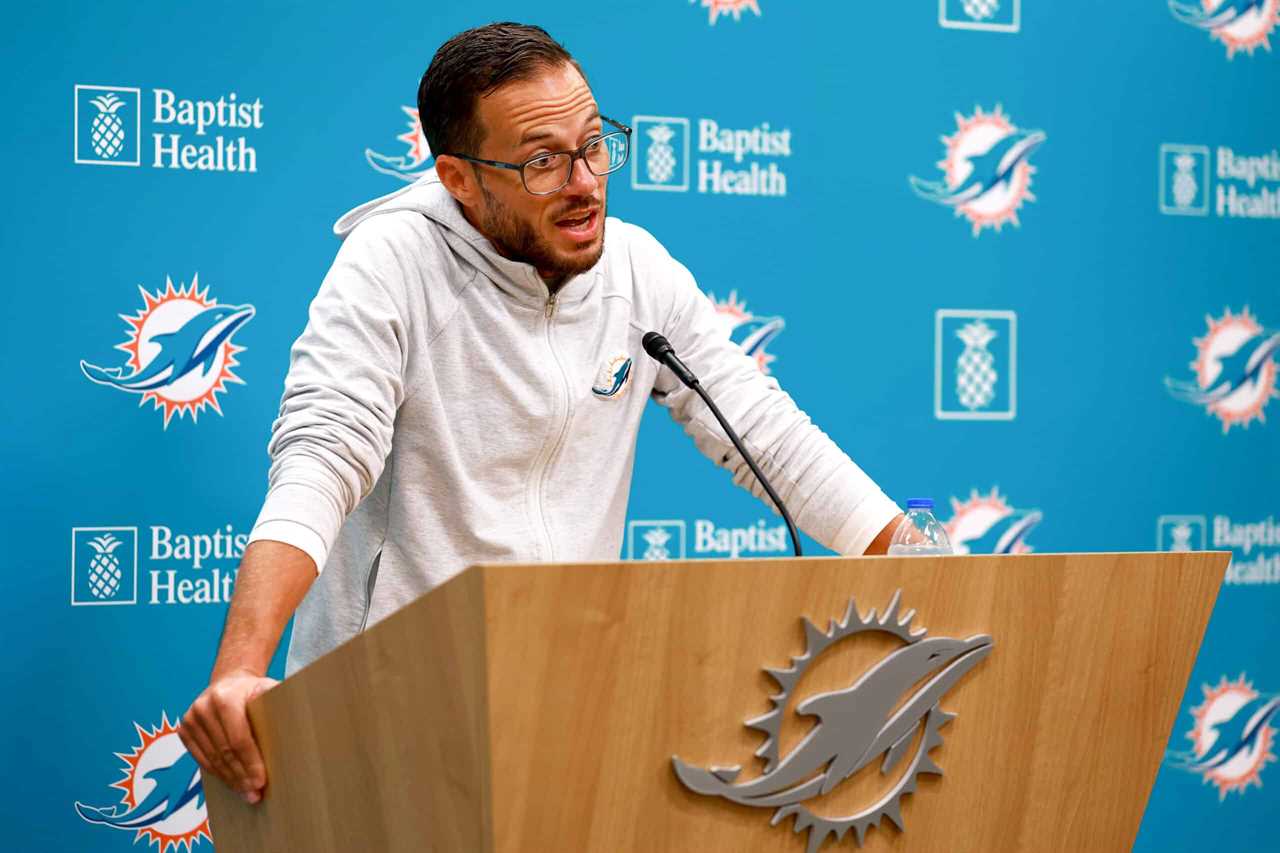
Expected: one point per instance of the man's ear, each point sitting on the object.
(459, 179)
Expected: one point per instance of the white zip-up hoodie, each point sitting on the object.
(442, 409)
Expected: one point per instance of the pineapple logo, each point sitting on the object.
(104, 565)
(161, 794)
(1181, 537)
(1184, 179)
(657, 540)
(180, 351)
(1235, 370)
(415, 162)
(1241, 25)
(1180, 533)
(980, 10)
(976, 352)
(1002, 16)
(975, 369)
(107, 125)
(1232, 736)
(987, 524)
(986, 170)
(664, 141)
(716, 8)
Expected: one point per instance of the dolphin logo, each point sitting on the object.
(1238, 734)
(1197, 15)
(615, 374)
(878, 715)
(755, 335)
(1241, 367)
(175, 786)
(405, 168)
(193, 346)
(991, 169)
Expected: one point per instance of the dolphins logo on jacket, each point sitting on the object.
(876, 717)
(1235, 367)
(1233, 736)
(180, 351)
(613, 376)
(1239, 24)
(986, 171)
(163, 794)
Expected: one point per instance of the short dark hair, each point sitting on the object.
(471, 65)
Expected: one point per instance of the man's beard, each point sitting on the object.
(516, 239)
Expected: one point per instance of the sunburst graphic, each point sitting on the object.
(163, 314)
(1221, 704)
(749, 331)
(415, 138)
(974, 517)
(975, 136)
(1226, 337)
(159, 747)
(716, 8)
(1247, 31)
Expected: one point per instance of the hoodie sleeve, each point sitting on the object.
(829, 496)
(345, 383)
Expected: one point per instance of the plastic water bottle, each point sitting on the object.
(919, 534)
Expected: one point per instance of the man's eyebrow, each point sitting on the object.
(536, 134)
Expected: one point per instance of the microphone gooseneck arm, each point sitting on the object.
(660, 349)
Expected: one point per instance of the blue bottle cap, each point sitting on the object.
(919, 503)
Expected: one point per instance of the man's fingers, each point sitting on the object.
(237, 777)
(243, 751)
(194, 732)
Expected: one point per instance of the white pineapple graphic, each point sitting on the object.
(980, 10)
(975, 368)
(104, 568)
(1184, 181)
(657, 539)
(660, 162)
(1181, 537)
(107, 131)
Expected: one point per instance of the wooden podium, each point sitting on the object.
(538, 708)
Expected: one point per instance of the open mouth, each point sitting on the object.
(581, 226)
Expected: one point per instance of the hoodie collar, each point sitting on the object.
(428, 196)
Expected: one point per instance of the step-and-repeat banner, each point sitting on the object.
(1014, 255)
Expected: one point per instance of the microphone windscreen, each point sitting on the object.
(656, 345)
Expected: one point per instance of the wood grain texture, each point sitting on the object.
(551, 724)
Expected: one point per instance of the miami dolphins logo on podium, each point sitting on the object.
(1235, 370)
(752, 333)
(986, 170)
(1239, 24)
(987, 524)
(180, 351)
(162, 794)
(890, 708)
(1232, 736)
(415, 162)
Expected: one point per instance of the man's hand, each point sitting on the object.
(273, 578)
(216, 732)
(880, 545)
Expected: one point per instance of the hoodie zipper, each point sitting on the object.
(545, 469)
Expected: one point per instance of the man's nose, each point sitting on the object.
(581, 180)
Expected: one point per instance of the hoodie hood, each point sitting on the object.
(428, 197)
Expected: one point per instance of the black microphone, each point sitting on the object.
(660, 350)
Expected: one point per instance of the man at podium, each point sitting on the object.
(471, 380)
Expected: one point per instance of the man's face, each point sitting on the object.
(561, 234)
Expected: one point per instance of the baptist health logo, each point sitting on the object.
(1239, 24)
(1232, 736)
(183, 568)
(108, 130)
(666, 540)
(975, 367)
(1248, 186)
(1252, 564)
(161, 795)
(986, 170)
(732, 161)
(1001, 16)
(416, 159)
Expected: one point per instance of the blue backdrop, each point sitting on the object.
(1015, 255)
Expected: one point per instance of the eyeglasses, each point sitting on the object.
(551, 172)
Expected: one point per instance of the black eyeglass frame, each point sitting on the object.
(580, 153)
